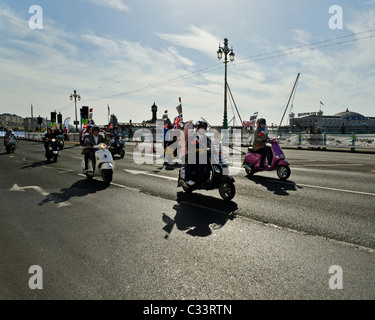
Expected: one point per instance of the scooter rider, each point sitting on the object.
(202, 144)
(259, 142)
(8, 134)
(91, 140)
(48, 136)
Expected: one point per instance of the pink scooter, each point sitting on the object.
(251, 162)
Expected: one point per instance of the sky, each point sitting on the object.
(130, 54)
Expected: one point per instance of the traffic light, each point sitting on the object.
(85, 112)
(40, 120)
(59, 118)
(53, 117)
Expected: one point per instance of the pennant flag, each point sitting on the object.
(179, 107)
(321, 103)
(165, 116)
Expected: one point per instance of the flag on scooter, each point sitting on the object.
(253, 119)
(177, 123)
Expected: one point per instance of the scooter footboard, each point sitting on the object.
(227, 179)
(106, 165)
(282, 163)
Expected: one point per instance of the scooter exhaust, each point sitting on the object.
(246, 166)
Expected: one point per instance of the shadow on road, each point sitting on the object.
(35, 164)
(199, 215)
(277, 186)
(80, 188)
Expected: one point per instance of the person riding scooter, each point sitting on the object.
(200, 144)
(259, 142)
(48, 136)
(91, 140)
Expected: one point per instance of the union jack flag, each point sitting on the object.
(177, 121)
(246, 124)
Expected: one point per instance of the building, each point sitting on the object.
(354, 122)
(12, 121)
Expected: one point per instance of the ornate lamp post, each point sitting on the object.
(220, 52)
(75, 96)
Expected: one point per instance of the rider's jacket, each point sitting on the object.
(90, 140)
(48, 137)
(260, 138)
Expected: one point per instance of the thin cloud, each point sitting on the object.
(113, 4)
(197, 39)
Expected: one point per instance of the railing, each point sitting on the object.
(323, 141)
(300, 140)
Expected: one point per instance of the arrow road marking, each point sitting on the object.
(57, 200)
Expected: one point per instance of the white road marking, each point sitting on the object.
(57, 200)
(150, 174)
(334, 165)
(324, 188)
(115, 184)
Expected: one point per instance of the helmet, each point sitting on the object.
(201, 124)
(261, 121)
(95, 128)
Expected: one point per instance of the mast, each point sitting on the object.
(291, 94)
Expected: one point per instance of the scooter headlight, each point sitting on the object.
(103, 145)
(53, 140)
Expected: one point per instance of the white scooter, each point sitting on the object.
(103, 164)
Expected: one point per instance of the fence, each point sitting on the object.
(323, 141)
(300, 140)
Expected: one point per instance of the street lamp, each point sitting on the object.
(75, 96)
(220, 52)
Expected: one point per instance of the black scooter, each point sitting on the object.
(53, 150)
(10, 144)
(218, 179)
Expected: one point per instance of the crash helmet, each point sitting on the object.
(95, 128)
(201, 124)
(261, 121)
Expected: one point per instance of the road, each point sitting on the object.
(143, 238)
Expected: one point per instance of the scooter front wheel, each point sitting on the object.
(227, 190)
(107, 176)
(122, 153)
(283, 172)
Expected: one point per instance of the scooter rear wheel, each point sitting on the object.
(250, 170)
(227, 190)
(283, 172)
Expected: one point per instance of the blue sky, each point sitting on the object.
(129, 54)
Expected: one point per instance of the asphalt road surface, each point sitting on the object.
(311, 237)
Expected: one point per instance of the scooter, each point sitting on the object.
(251, 162)
(218, 179)
(103, 164)
(10, 144)
(118, 146)
(60, 141)
(53, 150)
